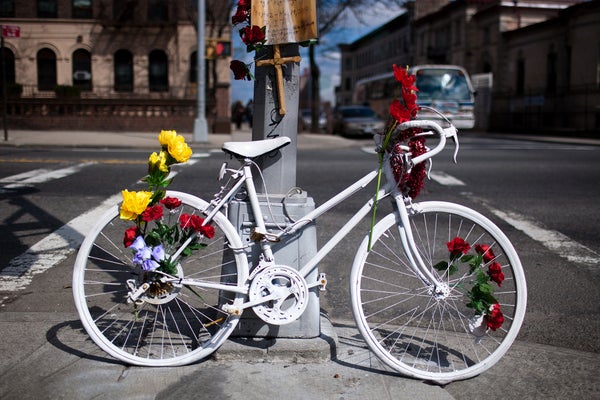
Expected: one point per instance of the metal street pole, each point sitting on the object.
(4, 91)
(200, 125)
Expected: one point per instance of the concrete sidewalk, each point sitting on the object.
(103, 139)
(30, 138)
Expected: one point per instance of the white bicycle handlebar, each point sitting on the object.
(433, 129)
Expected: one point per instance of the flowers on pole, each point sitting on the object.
(252, 36)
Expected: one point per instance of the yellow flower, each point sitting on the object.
(165, 137)
(179, 150)
(158, 162)
(134, 203)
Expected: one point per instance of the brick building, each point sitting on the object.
(113, 64)
(536, 61)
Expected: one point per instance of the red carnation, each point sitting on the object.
(152, 213)
(240, 70)
(208, 231)
(240, 16)
(130, 235)
(171, 202)
(458, 246)
(486, 251)
(495, 273)
(494, 319)
(191, 222)
(252, 35)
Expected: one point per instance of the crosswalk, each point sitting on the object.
(60, 244)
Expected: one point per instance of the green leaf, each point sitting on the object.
(467, 258)
(441, 266)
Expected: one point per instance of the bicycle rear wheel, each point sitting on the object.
(429, 335)
(171, 324)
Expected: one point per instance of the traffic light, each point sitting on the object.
(217, 48)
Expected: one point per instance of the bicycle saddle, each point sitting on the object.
(255, 148)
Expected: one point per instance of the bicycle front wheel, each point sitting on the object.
(170, 323)
(431, 334)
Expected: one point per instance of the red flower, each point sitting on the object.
(208, 231)
(244, 4)
(494, 319)
(486, 250)
(130, 235)
(399, 112)
(171, 202)
(252, 35)
(406, 80)
(240, 16)
(240, 70)
(191, 222)
(495, 273)
(152, 213)
(195, 222)
(458, 246)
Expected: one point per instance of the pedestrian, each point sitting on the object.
(238, 114)
(249, 112)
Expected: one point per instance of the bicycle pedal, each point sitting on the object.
(322, 281)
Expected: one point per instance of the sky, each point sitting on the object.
(328, 54)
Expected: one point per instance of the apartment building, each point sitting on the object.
(113, 64)
(532, 60)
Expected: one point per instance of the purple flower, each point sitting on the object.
(146, 256)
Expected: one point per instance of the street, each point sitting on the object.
(542, 195)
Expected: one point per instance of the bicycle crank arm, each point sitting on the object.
(237, 310)
(321, 282)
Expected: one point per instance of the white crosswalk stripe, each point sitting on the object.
(28, 179)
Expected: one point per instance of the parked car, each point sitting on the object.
(356, 121)
(305, 115)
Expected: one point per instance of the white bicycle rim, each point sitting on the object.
(429, 353)
(84, 300)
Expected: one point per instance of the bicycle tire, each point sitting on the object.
(175, 325)
(405, 325)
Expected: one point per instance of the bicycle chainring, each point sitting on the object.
(289, 294)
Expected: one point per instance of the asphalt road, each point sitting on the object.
(542, 195)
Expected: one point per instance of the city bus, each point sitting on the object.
(446, 88)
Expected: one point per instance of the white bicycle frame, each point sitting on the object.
(244, 178)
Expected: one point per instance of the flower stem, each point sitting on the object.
(386, 141)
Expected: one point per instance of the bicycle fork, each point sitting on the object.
(417, 265)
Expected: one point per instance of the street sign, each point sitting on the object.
(11, 31)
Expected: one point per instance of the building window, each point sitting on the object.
(46, 69)
(158, 71)
(82, 9)
(158, 10)
(486, 35)
(551, 74)
(7, 8)
(9, 62)
(47, 9)
(193, 67)
(124, 10)
(521, 76)
(82, 69)
(123, 63)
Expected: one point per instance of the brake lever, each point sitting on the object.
(454, 137)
